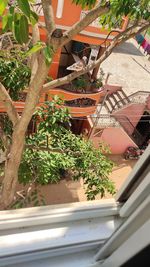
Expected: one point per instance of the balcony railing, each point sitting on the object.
(105, 121)
(108, 120)
(79, 104)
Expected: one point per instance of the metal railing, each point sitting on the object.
(137, 97)
(105, 120)
(108, 120)
(135, 134)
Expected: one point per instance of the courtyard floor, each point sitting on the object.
(128, 67)
(68, 191)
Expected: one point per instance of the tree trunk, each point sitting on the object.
(11, 168)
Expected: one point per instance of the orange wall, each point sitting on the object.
(71, 15)
(116, 138)
(55, 65)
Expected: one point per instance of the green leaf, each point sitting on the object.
(5, 23)
(25, 7)
(33, 18)
(38, 46)
(3, 4)
(17, 35)
(10, 21)
(48, 54)
(24, 29)
(11, 10)
(85, 3)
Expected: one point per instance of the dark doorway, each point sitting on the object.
(77, 125)
(143, 127)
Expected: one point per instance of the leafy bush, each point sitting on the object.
(80, 83)
(14, 75)
(54, 150)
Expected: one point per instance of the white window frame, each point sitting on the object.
(130, 223)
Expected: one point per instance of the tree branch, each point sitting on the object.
(34, 57)
(82, 24)
(33, 93)
(8, 103)
(120, 38)
(49, 16)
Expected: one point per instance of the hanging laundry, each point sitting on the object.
(143, 42)
(148, 49)
(139, 38)
(144, 45)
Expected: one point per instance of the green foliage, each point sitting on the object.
(54, 151)
(3, 5)
(48, 52)
(134, 9)
(7, 124)
(21, 29)
(14, 75)
(20, 14)
(85, 3)
(53, 117)
(24, 7)
(99, 81)
(35, 48)
(148, 32)
(43, 166)
(18, 18)
(80, 83)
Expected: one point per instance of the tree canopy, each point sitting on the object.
(18, 18)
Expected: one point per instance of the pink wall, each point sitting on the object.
(148, 103)
(116, 138)
(133, 112)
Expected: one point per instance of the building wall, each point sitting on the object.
(116, 138)
(70, 18)
(133, 112)
(71, 14)
(148, 103)
(53, 71)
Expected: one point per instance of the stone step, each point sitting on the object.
(117, 99)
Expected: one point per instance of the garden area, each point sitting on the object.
(69, 191)
(39, 149)
(52, 152)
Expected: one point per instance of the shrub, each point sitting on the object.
(54, 150)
